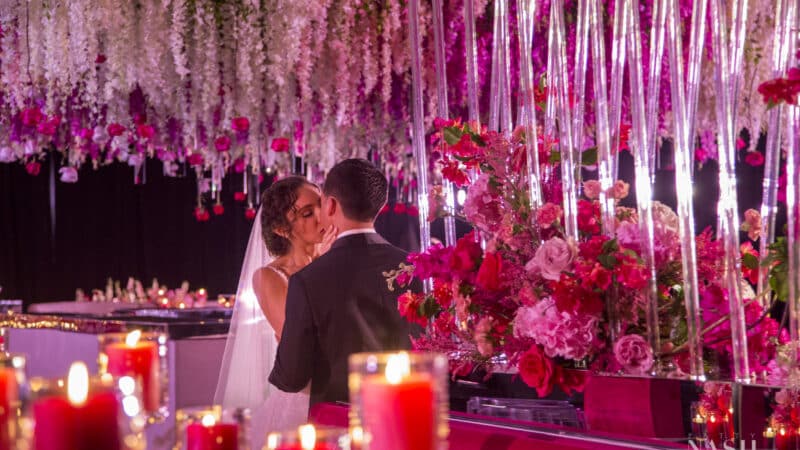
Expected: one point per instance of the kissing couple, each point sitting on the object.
(311, 293)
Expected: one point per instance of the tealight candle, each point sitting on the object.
(138, 358)
(400, 400)
(83, 420)
(212, 428)
(308, 437)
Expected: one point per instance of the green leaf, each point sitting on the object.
(555, 157)
(607, 261)
(452, 135)
(750, 261)
(589, 157)
(610, 246)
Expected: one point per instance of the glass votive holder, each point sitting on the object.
(309, 437)
(83, 412)
(142, 356)
(212, 428)
(399, 400)
(12, 383)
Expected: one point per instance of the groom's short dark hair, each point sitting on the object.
(359, 186)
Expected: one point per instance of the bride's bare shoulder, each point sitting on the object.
(269, 277)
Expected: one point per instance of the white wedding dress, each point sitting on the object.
(250, 355)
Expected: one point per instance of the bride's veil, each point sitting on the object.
(251, 345)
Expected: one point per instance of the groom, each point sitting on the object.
(340, 304)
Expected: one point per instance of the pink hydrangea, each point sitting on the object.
(568, 335)
(482, 207)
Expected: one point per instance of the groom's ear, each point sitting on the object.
(331, 205)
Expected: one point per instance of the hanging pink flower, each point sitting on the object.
(240, 124)
(68, 174)
(33, 168)
(32, 116)
(195, 159)
(752, 224)
(239, 196)
(101, 58)
(280, 145)
(145, 131)
(139, 119)
(48, 128)
(115, 129)
(239, 165)
(399, 208)
(250, 213)
(412, 211)
(218, 209)
(222, 144)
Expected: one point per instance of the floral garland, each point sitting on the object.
(169, 78)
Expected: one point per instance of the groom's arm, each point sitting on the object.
(293, 363)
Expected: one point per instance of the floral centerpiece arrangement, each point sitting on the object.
(157, 295)
(533, 300)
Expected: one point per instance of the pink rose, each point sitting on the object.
(280, 145)
(115, 129)
(145, 131)
(548, 214)
(68, 174)
(195, 159)
(240, 124)
(592, 189)
(32, 116)
(537, 370)
(754, 158)
(619, 190)
(222, 144)
(33, 168)
(218, 209)
(551, 259)
(250, 213)
(635, 355)
(201, 214)
(239, 196)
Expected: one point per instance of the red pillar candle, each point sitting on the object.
(87, 422)
(137, 359)
(715, 430)
(8, 397)
(785, 439)
(218, 436)
(399, 415)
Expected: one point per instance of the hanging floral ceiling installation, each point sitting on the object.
(226, 87)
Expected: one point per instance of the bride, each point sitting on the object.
(287, 237)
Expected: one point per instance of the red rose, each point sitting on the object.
(571, 380)
(145, 131)
(399, 208)
(408, 305)
(101, 58)
(465, 255)
(239, 196)
(489, 272)
(280, 145)
(412, 211)
(250, 213)
(452, 172)
(240, 124)
(537, 370)
(201, 214)
(115, 129)
(33, 168)
(780, 90)
(222, 144)
(219, 209)
(754, 158)
(600, 276)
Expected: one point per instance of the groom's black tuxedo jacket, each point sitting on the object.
(338, 305)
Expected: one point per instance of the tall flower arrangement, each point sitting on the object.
(541, 303)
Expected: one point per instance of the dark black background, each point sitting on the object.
(108, 227)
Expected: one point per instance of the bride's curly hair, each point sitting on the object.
(276, 202)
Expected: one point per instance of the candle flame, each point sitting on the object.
(208, 420)
(783, 431)
(78, 383)
(133, 338)
(160, 292)
(201, 291)
(397, 367)
(308, 437)
(272, 441)
(713, 419)
(181, 305)
(357, 434)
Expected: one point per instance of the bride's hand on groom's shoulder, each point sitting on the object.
(327, 240)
